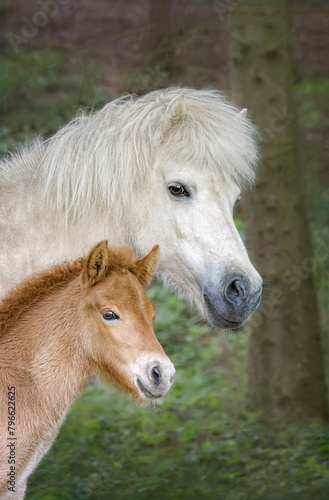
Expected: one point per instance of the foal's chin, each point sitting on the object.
(145, 392)
(142, 397)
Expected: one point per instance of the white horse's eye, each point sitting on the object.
(177, 189)
(109, 315)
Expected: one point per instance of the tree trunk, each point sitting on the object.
(160, 40)
(3, 28)
(286, 367)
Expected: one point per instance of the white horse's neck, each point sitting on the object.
(34, 236)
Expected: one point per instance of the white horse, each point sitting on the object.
(166, 169)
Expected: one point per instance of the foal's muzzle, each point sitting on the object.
(156, 378)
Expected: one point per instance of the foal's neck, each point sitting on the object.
(46, 344)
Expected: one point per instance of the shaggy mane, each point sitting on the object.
(96, 161)
(23, 297)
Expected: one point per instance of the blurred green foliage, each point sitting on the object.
(313, 121)
(47, 81)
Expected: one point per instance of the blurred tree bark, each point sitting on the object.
(286, 367)
(3, 12)
(3, 26)
(160, 40)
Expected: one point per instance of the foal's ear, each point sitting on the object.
(145, 267)
(96, 264)
(174, 114)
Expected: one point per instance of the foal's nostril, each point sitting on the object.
(235, 291)
(155, 375)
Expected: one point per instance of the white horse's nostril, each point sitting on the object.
(236, 291)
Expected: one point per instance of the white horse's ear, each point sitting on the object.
(174, 114)
(244, 112)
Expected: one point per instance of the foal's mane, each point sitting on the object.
(21, 298)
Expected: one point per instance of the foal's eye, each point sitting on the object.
(177, 189)
(109, 315)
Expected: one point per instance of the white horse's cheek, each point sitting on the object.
(153, 221)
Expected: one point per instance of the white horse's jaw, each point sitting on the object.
(217, 308)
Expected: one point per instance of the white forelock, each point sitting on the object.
(97, 160)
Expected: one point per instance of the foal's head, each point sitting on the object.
(121, 342)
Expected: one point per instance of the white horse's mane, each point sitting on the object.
(99, 157)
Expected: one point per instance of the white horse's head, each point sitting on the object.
(204, 153)
(166, 169)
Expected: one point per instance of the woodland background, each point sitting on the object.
(247, 417)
